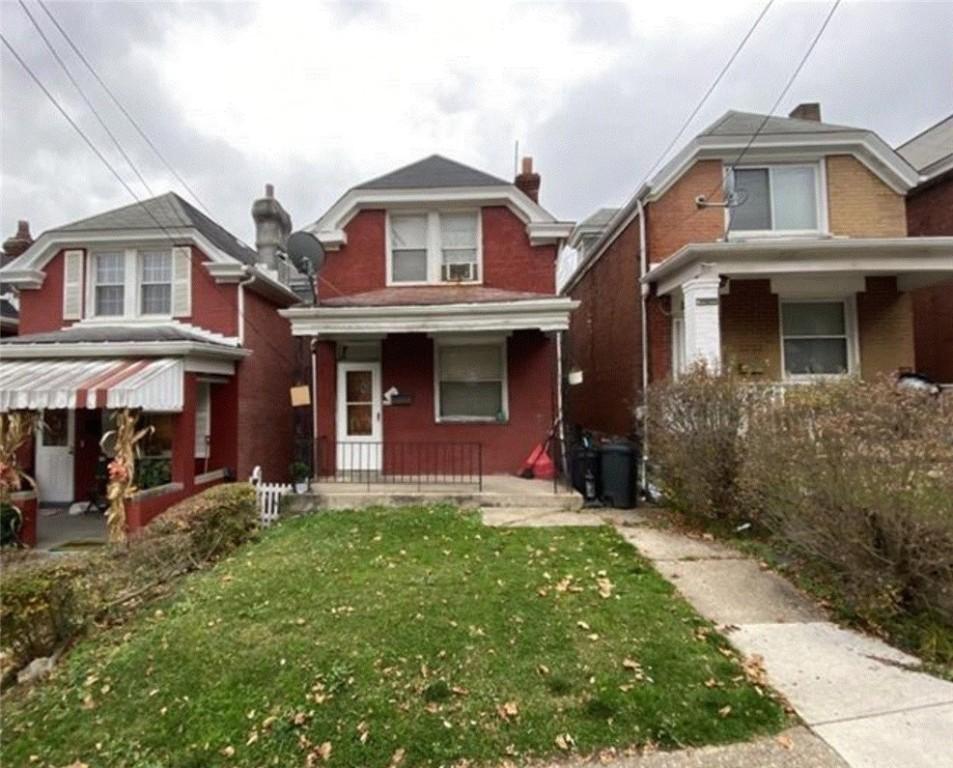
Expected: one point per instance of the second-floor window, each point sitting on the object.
(434, 247)
(155, 291)
(777, 198)
(131, 283)
(109, 277)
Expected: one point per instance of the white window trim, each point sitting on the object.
(850, 332)
(820, 198)
(132, 294)
(139, 284)
(434, 250)
(462, 341)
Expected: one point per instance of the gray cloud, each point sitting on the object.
(886, 66)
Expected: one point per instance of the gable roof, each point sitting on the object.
(735, 123)
(164, 211)
(433, 172)
(931, 151)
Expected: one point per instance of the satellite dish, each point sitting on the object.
(305, 252)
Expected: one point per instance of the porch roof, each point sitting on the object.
(916, 261)
(153, 384)
(545, 313)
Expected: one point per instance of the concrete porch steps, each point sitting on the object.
(498, 492)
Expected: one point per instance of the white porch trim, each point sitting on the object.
(545, 314)
(701, 319)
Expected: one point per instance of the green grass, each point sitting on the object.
(417, 630)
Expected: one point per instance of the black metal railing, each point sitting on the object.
(399, 463)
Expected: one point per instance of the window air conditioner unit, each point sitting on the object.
(459, 273)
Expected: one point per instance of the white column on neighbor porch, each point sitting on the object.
(702, 327)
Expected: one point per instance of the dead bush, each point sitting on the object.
(859, 476)
(696, 434)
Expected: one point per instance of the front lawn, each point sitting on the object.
(413, 637)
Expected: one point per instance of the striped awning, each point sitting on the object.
(153, 384)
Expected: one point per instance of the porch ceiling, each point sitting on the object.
(545, 314)
(916, 261)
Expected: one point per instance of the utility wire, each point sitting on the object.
(122, 181)
(120, 106)
(85, 98)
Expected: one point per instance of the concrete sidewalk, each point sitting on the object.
(855, 692)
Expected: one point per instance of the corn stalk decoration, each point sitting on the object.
(16, 427)
(122, 470)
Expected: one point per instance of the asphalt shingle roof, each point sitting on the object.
(598, 219)
(431, 173)
(929, 147)
(734, 123)
(165, 211)
(100, 334)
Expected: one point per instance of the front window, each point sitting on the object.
(156, 283)
(781, 198)
(471, 382)
(814, 338)
(110, 282)
(434, 247)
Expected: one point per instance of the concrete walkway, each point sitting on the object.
(855, 692)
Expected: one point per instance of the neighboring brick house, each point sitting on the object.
(434, 329)
(775, 246)
(930, 213)
(153, 306)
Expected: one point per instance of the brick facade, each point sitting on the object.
(885, 328)
(674, 220)
(860, 204)
(750, 329)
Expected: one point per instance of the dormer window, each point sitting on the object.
(775, 199)
(429, 248)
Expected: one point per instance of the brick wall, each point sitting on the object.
(604, 341)
(860, 204)
(930, 212)
(674, 220)
(214, 305)
(885, 327)
(750, 323)
(509, 261)
(41, 310)
(265, 417)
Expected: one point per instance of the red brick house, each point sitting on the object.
(775, 246)
(434, 329)
(153, 306)
(930, 212)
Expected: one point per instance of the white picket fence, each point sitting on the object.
(268, 496)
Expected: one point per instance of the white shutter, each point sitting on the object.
(72, 285)
(181, 282)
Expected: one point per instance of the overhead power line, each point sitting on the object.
(122, 109)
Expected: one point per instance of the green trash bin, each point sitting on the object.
(618, 464)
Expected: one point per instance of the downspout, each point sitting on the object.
(315, 458)
(251, 278)
(563, 462)
(643, 304)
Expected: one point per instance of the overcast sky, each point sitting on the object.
(316, 98)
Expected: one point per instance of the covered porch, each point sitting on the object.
(793, 310)
(75, 399)
(443, 394)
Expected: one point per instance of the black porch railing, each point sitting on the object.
(399, 463)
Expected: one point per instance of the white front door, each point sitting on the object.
(359, 446)
(54, 456)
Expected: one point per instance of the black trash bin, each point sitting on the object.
(585, 462)
(618, 465)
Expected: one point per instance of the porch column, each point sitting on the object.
(702, 326)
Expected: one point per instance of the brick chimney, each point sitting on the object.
(272, 227)
(527, 181)
(15, 245)
(808, 111)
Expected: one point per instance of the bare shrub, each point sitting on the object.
(859, 476)
(696, 428)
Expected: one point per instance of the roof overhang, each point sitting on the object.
(541, 226)
(199, 356)
(548, 314)
(916, 261)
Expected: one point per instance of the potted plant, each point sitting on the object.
(300, 474)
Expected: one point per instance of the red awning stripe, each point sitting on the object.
(102, 389)
(82, 391)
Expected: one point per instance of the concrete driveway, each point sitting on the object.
(858, 694)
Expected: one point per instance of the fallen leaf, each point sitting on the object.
(605, 587)
(583, 625)
(725, 710)
(397, 758)
(507, 710)
(459, 691)
(228, 751)
(542, 669)
(785, 741)
(565, 742)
